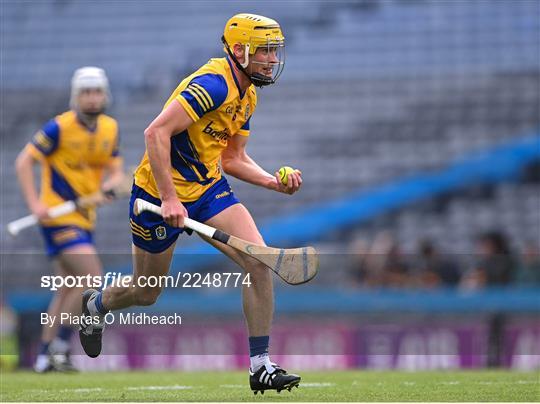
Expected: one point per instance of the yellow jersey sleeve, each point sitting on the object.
(116, 156)
(244, 130)
(46, 140)
(116, 148)
(203, 94)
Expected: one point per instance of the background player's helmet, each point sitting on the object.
(255, 31)
(89, 77)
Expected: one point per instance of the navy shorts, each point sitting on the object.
(150, 232)
(59, 238)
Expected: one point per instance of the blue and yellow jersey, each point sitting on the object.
(212, 98)
(73, 158)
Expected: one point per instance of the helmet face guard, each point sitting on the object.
(273, 61)
(264, 47)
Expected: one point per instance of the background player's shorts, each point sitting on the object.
(58, 238)
(152, 234)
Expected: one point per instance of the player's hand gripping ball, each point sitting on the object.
(284, 174)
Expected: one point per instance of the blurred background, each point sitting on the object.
(416, 124)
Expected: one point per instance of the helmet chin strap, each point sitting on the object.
(258, 79)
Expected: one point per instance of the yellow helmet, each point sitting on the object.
(255, 31)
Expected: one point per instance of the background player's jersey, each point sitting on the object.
(212, 98)
(73, 161)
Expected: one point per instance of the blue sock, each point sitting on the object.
(99, 304)
(44, 348)
(65, 333)
(258, 345)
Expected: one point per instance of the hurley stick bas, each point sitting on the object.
(294, 265)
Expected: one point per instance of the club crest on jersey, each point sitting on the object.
(161, 233)
(246, 116)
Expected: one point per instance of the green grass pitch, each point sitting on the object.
(233, 386)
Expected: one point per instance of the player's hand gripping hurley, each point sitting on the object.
(294, 265)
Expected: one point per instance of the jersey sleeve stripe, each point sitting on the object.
(202, 103)
(205, 93)
(46, 140)
(43, 140)
(42, 143)
(195, 90)
(243, 132)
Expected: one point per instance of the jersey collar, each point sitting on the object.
(81, 123)
(242, 93)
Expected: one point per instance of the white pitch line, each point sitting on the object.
(173, 387)
(81, 390)
(40, 391)
(450, 383)
(526, 382)
(317, 384)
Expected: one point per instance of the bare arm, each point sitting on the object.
(236, 162)
(114, 172)
(172, 120)
(25, 175)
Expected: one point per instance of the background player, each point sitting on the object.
(202, 130)
(76, 150)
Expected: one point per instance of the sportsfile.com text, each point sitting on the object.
(181, 279)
